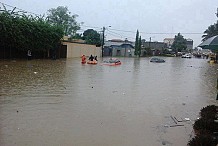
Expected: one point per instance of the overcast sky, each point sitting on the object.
(148, 16)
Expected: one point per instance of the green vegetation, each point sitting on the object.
(179, 43)
(140, 46)
(202, 140)
(211, 31)
(92, 37)
(22, 32)
(138, 43)
(205, 127)
(61, 16)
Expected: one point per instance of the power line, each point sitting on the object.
(127, 31)
(115, 33)
(19, 9)
(156, 32)
(118, 35)
(122, 30)
(91, 26)
(161, 33)
(171, 33)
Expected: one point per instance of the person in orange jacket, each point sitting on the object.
(83, 59)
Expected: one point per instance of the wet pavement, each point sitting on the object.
(65, 103)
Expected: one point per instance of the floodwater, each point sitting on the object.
(65, 103)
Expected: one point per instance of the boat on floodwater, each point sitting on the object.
(94, 62)
(112, 62)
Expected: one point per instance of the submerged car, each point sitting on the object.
(158, 60)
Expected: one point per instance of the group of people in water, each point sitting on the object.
(91, 58)
(94, 60)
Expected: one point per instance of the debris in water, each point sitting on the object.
(92, 87)
(187, 119)
(173, 119)
(176, 125)
(183, 103)
(35, 72)
(177, 120)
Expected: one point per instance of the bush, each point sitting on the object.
(202, 140)
(208, 112)
(205, 124)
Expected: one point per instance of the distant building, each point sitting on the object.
(189, 43)
(169, 42)
(117, 47)
(157, 48)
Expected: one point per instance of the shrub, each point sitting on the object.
(205, 124)
(202, 140)
(208, 112)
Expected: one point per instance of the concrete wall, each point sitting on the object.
(77, 50)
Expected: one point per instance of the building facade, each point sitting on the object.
(117, 47)
(156, 48)
(169, 42)
(189, 43)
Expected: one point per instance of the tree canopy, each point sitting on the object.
(138, 44)
(62, 17)
(211, 31)
(179, 43)
(22, 32)
(92, 37)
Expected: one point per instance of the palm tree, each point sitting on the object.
(211, 31)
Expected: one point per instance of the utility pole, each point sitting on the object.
(150, 43)
(125, 47)
(102, 46)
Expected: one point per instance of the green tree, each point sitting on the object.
(20, 32)
(61, 16)
(179, 43)
(136, 43)
(77, 36)
(140, 46)
(211, 31)
(92, 37)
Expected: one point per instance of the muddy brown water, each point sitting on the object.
(64, 103)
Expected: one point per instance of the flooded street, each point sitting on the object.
(64, 103)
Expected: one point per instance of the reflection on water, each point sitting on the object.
(61, 102)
